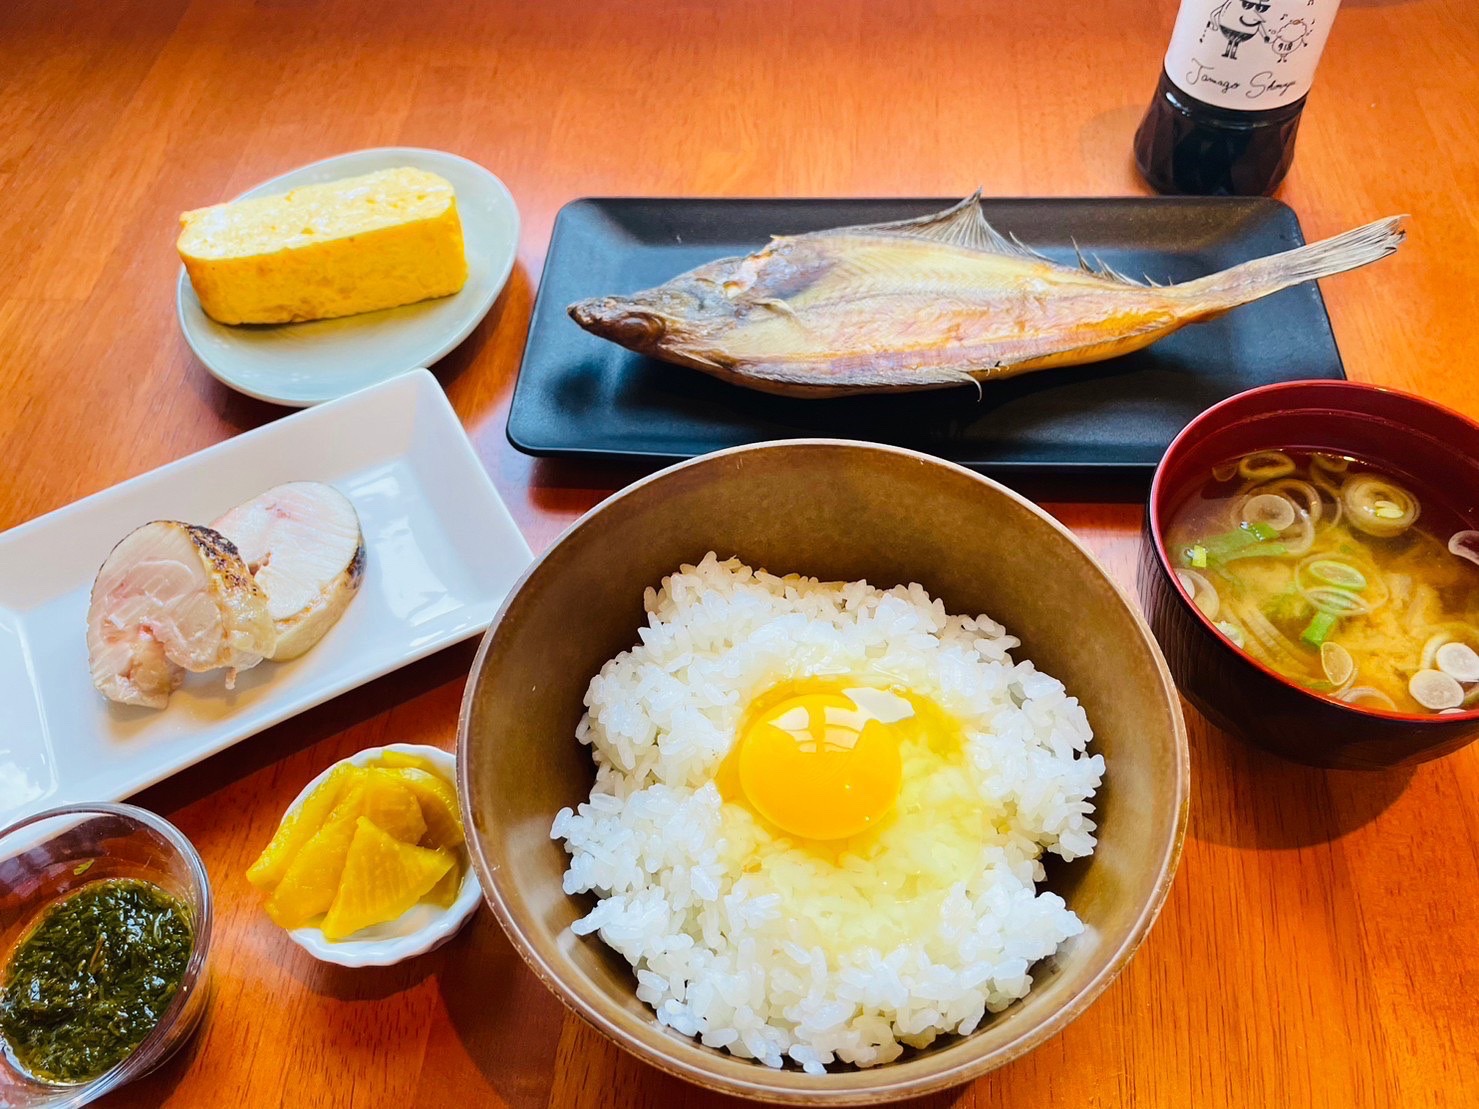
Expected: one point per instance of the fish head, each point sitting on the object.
(636, 322)
(682, 321)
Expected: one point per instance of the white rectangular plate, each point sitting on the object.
(441, 553)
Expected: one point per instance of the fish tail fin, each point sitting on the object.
(1258, 278)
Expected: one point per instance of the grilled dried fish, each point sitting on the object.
(928, 303)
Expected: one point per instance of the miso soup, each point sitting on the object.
(1338, 576)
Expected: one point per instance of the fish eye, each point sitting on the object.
(639, 327)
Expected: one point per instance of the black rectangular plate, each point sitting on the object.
(578, 395)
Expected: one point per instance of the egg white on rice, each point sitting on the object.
(744, 938)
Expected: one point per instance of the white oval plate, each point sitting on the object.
(299, 364)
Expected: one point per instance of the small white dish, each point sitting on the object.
(441, 554)
(419, 929)
(299, 364)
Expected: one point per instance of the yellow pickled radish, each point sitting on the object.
(310, 882)
(395, 759)
(438, 798)
(314, 873)
(312, 879)
(299, 826)
(382, 878)
(392, 806)
(447, 888)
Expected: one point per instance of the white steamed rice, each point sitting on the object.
(793, 956)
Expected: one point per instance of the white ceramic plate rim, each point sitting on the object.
(384, 952)
(503, 259)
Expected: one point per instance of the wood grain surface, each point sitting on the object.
(1317, 949)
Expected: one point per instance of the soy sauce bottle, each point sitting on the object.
(1226, 110)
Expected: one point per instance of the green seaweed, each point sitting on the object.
(93, 978)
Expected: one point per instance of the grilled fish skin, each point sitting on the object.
(303, 545)
(171, 598)
(929, 303)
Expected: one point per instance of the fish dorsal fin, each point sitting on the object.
(964, 225)
(960, 225)
(1101, 269)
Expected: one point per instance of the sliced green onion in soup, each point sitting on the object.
(1333, 463)
(1244, 535)
(1299, 540)
(1275, 511)
(1233, 632)
(1332, 584)
(1319, 628)
(1458, 660)
(1304, 496)
(1331, 492)
(1328, 484)
(1377, 506)
(1342, 575)
(1435, 690)
(1262, 550)
(1338, 663)
(1465, 544)
(1363, 696)
(1265, 465)
(1227, 543)
(1338, 602)
(1203, 594)
(1430, 649)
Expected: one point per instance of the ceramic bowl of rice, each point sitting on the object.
(821, 771)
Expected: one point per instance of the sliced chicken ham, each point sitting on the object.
(172, 598)
(303, 545)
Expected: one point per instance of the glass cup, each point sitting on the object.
(54, 853)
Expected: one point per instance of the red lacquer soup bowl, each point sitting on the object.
(1434, 449)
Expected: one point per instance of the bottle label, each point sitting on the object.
(1250, 55)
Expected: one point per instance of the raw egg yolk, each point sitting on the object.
(823, 765)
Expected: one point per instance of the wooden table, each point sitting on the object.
(1316, 948)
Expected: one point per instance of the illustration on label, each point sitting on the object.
(1291, 37)
(1241, 20)
(1248, 54)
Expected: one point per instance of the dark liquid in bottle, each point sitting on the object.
(1185, 146)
